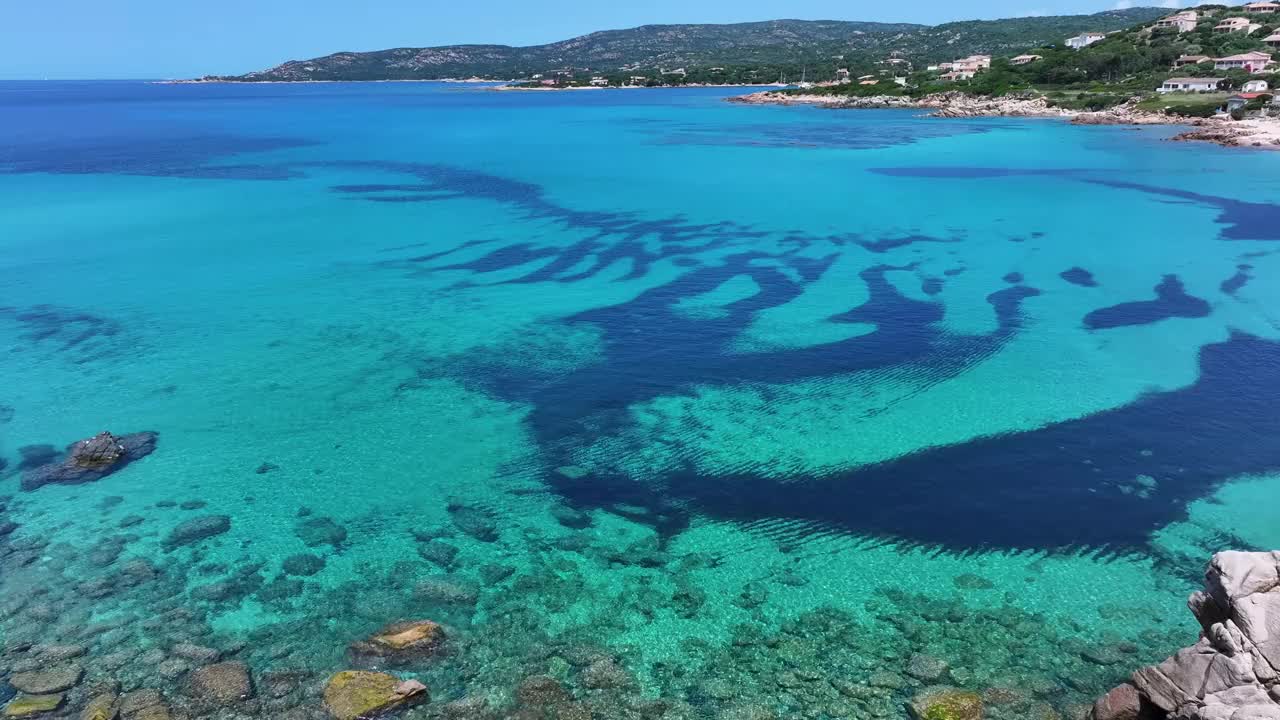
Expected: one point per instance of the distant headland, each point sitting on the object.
(671, 55)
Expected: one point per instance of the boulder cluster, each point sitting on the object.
(1233, 671)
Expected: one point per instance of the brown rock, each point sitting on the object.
(1122, 703)
(542, 691)
(102, 707)
(402, 641)
(49, 680)
(361, 694)
(225, 683)
(25, 706)
(945, 703)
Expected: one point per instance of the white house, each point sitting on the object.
(1254, 86)
(1182, 22)
(1023, 59)
(1273, 40)
(1084, 40)
(1190, 85)
(1254, 62)
(1261, 7)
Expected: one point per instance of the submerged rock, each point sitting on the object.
(439, 552)
(571, 517)
(146, 704)
(91, 459)
(477, 522)
(196, 529)
(47, 681)
(945, 703)
(221, 684)
(25, 706)
(101, 707)
(402, 641)
(360, 694)
(304, 564)
(34, 456)
(315, 532)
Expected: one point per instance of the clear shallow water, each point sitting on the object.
(831, 392)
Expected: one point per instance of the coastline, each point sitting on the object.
(1249, 133)
(636, 87)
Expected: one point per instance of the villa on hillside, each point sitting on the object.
(1273, 40)
(1182, 22)
(842, 75)
(1190, 60)
(1084, 40)
(1262, 7)
(1236, 24)
(967, 67)
(1024, 59)
(1190, 85)
(1253, 62)
(1255, 86)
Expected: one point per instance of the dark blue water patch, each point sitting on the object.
(626, 231)
(1232, 284)
(1078, 276)
(82, 335)
(651, 351)
(952, 272)
(845, 136)
(931, 285)
(187, 156)
(892, 243)
(1063, 487)
(1171, 301)
(1012, 278)
(1244, 220)
(973, 173)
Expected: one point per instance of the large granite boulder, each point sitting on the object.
(1233, 671)
(91, 459)
(361, 694)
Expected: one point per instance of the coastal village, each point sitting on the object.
(1215, 67)
(1202, 62)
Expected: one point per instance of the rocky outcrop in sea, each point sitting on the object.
(1233, 671)
(92, 459)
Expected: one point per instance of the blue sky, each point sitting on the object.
(181, 38)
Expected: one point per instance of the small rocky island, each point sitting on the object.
(1233, 671)
(91, 459)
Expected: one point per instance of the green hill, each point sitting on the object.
(740, 51)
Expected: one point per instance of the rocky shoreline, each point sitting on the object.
(1259, 133)
(1233, 671)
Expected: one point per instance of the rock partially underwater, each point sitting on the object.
(402, 642)
(1233, 671)
(92, 459)
(355, 694)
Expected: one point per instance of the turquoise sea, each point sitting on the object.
(664, 407)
